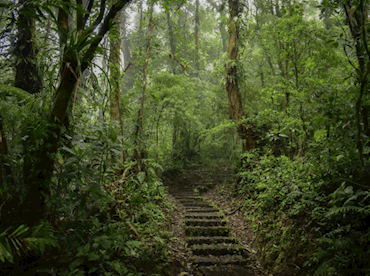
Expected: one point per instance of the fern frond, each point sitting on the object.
(8, 90)
(348, 209)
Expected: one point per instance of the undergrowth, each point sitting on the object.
(308, 218)
(99, 223)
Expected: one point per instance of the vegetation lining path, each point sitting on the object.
(215, 251)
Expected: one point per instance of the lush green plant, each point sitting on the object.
(23, 239)
(293, 209)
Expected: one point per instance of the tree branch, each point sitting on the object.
(89, 55)
(87, 15)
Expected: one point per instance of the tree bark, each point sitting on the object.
(27, 71)
(6, 177)
(40, 177)
(140, 150)
(197, 43)
(172, 39)
(115, 77)
(128, 78)
(232, 88)
(222, 23)
(357, 17)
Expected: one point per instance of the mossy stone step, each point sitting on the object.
(211, 240)
(217, 249)
(206, 231)
(182, 195)
(219, 260)
(222, 270)
(205, 222)
(190, 197)
(196, 204)
(203, 215)
(193, 209)
(191, 200)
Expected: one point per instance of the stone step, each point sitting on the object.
(210, 240)
(183, 194)
(193, 209)
(219, 260)
(191, 200)
(222, 270)
(190, 197)
(196, 231)
(217, 249)
(205, 222)
(204, 215)
(196, 204)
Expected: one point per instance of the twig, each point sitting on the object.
(296, 266)
(184, 66)
(355, 183)
(233, 212)
(133, 229)
(3, 203)
(128, 66)
(124, 173)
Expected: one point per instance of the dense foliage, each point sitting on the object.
(97, 99)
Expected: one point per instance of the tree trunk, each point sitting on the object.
(197, 44)
(223, 35)
(39, 179)
(6, 177)
(172, 40)
(357, 17)
(232, 88)
(222, 23)
(27, 72)
(140, 150)
(115, 77)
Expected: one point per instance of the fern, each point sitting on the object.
(13, 240)
(8, 90)
(347, 209)
(42, 236)
(18, 241)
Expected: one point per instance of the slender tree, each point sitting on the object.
(115, 76)
(140, 151)
(171, 37)
(232, 87)
(197, 25)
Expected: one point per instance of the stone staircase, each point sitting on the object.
(215, 252)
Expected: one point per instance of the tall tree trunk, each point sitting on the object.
(126, 42)
(172, 39)
(357, 18)
(141, 16)
(115, 77)
(128, 78)
(222, 23)
(6, 177)
(232, 88)
(140, 150)
(197, 25)
(27, 71)
(39, 179)
(223, 35)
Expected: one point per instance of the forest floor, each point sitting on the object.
(186, 257)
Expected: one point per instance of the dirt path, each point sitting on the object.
(208, 241)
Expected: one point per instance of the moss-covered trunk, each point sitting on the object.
(232, 88)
